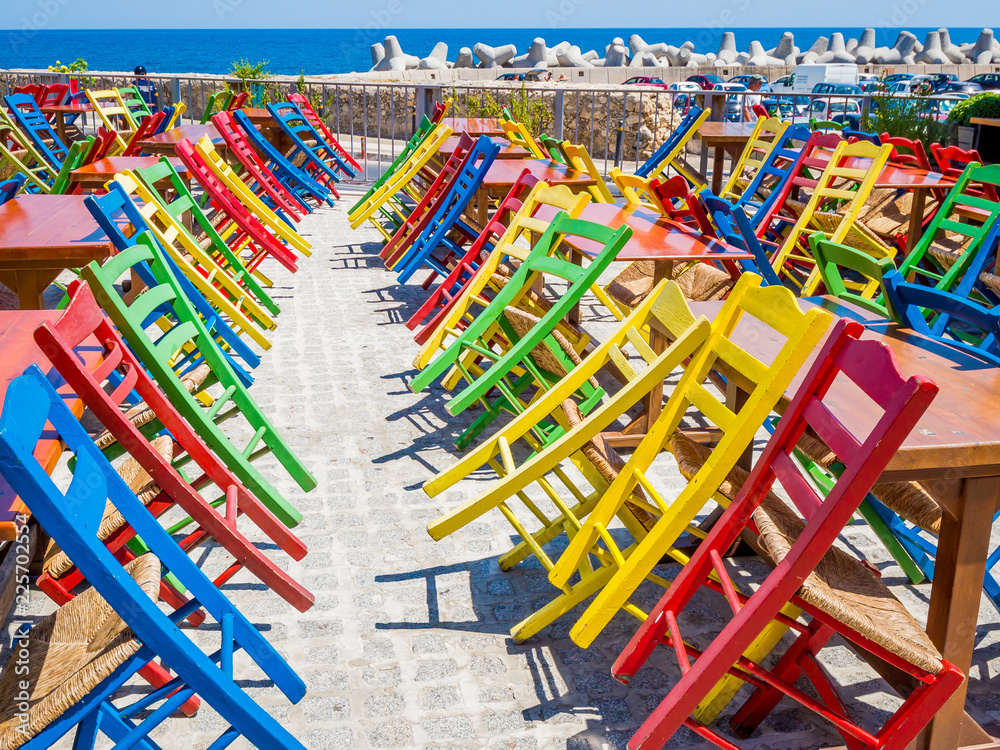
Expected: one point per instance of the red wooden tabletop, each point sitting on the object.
(70, 109)
(653, 236)
(105, 169)
(504, 173)
(473, 125)
(192, 132)
(18, 351)
(49, 228)
(507, 150)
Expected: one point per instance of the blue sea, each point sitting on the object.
(319, 51)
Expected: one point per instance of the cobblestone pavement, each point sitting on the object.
(407, 645)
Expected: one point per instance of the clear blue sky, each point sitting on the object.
(69, 14)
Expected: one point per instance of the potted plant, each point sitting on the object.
(986, 104)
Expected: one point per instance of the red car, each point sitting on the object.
(707, 82)
(646, 81)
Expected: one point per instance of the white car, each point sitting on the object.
(783, 85)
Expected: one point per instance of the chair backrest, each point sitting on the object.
(966, 212)
(217, 102)
(71, 517)
(832, 258)
(580, 160)
(310, 141)
(53, 94)
(523, 224)
(819, 125)
(131, 99)
(24, 110)
(766, 136)
(113, 114)
(907, 151)
(23, 158)
(540, 260)
(316, 121)
(952, 319)
(768, 183)
(104, 141)
(636, 190)
(146, 129)
(952, 161)
(667, 193)
(671, 148)
(10, 188)
(238, 102)
(734, 229)
(861, 135)
(33, 90)
(518, 135)
(422, 133)
(266, 182)
(811, 161)
(554, 149)
(173, 114)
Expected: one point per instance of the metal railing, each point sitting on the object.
(619, 125)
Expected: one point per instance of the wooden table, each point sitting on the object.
(95, 175)
(269, 128)
(40, 237)
(955, 450)
(474, 125)
(165, 143)
(664, 242)
(726, 138)
(507, 150)
(61, 110)
(503, 173)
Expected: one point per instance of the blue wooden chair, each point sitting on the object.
(944, 317)
(109, 633)
(114, 208)
(778, 166)
(861, 135)
(735, 229)
(447, 215)
(10, 188)
(324, 159)
(25, 112)
(294, 178)
(682, 133)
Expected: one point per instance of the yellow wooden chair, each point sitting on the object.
(636, 191)
(243, 313)
(179, 109)
(518, 135)
(765, 137)
(246, 196)
(402, 179)
(580, 161)
(833, 208)
(514, 246)
(110, 110)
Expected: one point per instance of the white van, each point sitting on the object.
(805, 77)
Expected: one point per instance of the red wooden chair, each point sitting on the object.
(436, 307)
(53, 94)
(951, 162)
(678, 189)
(838, 593)
(267, 185)
(317, 122)
(238, 102)
(415, 222)
(166, 486)
(914, 154)
(145, 129)
(248, 227)
(102, 145)
(34, 90)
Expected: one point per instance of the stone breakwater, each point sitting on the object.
(937, 48)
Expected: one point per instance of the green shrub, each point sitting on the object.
(986, 104)
(533, 113)
(904, 117)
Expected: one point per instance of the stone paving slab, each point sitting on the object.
(407, 645)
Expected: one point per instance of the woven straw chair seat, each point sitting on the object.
(141, 415)
(842, 586)
(908, 500)
(701, 282)
(56, 563)
(70, 653)
(522, 322)
(991, 281)
(887, 211)
(608, 463)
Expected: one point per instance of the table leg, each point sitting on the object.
(61, 126)
(916, 219)
(718, 161)
(30, 288)
(963, 546)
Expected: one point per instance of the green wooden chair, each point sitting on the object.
(132, 100)
(40, 175)
(217, 102)
(423, 131)
(815, 124)
(833, 257)
(554, 148)
(189, 332)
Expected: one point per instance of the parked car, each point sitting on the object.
(915, 86)
(939, 79)
(746, 78)
(895, 77)
(872, 87)
(646, 81)
(848, 89)
(684, 102)
(783, 85)
(840, 110)
(960, 87)
(706, 81)
(527, 77)
(790, 106)
(939, 105)
(988, 81)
